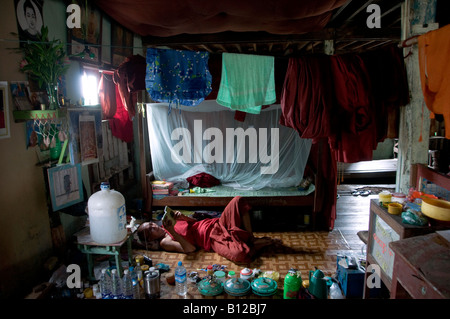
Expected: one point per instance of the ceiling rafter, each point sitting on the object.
(346, 27)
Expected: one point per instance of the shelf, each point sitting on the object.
(20, 116)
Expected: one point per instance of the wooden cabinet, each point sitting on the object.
(385, 228)
(421, 267)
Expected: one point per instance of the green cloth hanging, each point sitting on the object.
(247, 82)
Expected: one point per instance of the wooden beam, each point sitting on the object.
(339, 11)
(341, 34)
(356, 12)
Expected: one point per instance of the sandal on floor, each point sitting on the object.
(365, 193)
(356, 193)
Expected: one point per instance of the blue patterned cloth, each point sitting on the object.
(178, 76)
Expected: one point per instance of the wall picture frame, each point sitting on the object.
(88, 140)
(88, 37)
(21, 96)
(30, 19)
(75, 140)
(121, 43)
(65, 185)
(5, 129)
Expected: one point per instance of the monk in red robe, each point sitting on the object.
(228, 235)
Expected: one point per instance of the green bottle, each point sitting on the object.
(292, 284)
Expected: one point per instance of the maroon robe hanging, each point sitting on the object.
(307, 107)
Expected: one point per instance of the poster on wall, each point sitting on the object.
(121, 44)
(20, 94)
(29, 19)
(88, 38)
(382, 235)
(4, 111)
(88, 140)
(80, 150)
(65, 185)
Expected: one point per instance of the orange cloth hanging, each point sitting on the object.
(434, 64)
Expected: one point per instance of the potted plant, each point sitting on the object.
(45, 61)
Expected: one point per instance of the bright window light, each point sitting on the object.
(90, 89)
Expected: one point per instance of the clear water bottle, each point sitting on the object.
(135, 282)
(105, 285)
(116, 287)
(180, 279)
(139, 274)
(127, 285)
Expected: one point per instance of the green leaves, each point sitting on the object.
(45, 59)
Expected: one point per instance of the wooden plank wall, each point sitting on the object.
(114, 164)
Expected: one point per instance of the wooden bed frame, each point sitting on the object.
(419, 171)
(309, 203)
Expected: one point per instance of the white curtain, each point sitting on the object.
(253, 154)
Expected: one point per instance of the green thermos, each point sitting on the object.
(292, 284)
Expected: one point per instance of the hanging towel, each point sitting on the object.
(178, 76)
(247, 82)
(434, 52)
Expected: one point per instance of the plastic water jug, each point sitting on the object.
(107, 216)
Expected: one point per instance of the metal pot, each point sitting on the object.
(152, 284)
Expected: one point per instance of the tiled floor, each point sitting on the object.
(303, 250)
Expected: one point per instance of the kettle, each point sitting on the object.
(318, 284)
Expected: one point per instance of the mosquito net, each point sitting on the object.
(248, 155)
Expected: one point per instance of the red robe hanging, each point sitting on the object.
(114, 110)
(307, 106)
(355, 138)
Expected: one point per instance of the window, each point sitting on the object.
(89, 85)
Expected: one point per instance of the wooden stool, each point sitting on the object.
(87, 246)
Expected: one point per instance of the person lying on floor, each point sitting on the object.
(228, 235)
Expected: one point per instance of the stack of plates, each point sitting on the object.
(237, 287)
(264, 286)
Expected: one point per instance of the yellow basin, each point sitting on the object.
(436, 208)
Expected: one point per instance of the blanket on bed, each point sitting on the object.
(225, 191)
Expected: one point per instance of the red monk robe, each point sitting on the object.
(224, 235)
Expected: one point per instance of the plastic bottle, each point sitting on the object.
(144, 268)
(127, 285)
(292, 284)
(180, 279)
(135, 282)
(105, 285)
(139, 273)
(116, 287)
(107, 216)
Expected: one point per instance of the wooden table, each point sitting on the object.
(385, 228)
(89, 247)
(422, 267)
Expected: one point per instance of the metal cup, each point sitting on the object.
(152, 284)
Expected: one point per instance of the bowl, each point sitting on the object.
(436, 208)
(395, 208)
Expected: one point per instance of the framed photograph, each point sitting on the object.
(88, 140)
(89, 36)
(65, 185)
(29, 19)
(76, 136)
(21, 96)
(4, 111)
(121, 44)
